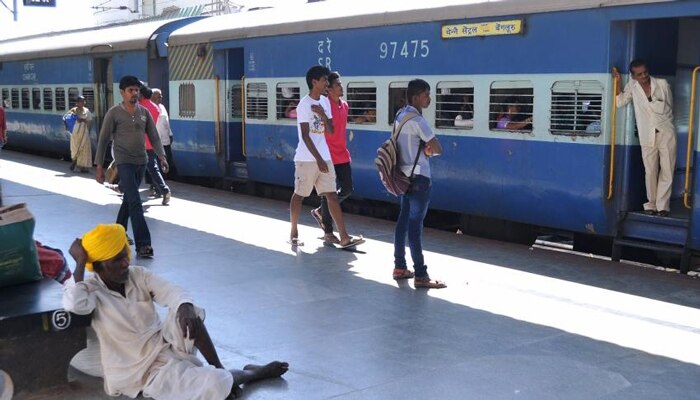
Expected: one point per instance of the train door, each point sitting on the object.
(234, 120)
(104, 98)
(670, 51)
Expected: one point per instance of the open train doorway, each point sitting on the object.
(104, 95)
(235, 119)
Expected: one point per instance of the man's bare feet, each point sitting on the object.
(274, 369)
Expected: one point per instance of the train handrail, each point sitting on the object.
(243, 107)
(217, 142)
(691, 119)
(613, 132)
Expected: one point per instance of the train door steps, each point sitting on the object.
(37, 337)
(667, 235)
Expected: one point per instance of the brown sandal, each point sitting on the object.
(402, 273)
(426, 283)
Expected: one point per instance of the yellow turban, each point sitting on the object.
(104, 242)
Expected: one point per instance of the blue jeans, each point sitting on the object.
(130, 177)
(154, 170)
(414, 207)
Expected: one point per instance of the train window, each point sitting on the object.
(15, 99)
(89, 94)
(48, 99)
(5, 98)
(236, 101)
(511, 106)
(60, 99)
(576, 108)
(187, 100)
(72, 97)
(36, 99)
(454, 105)
(397, 98)
(25, 99)
(287, 97)
(362, 103)
(256, 101)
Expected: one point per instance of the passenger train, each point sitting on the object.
(229, 80)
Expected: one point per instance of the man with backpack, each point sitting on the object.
(415, 143)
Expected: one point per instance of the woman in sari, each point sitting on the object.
(80, 144)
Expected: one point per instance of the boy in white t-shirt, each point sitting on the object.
(312, 162)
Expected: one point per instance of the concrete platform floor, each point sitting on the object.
(514, 323)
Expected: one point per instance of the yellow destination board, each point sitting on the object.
(512, 27)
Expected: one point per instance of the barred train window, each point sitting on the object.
(5, 97)
(454, 105)
(89, 94)
(60, 99)
(397, 98)
(511, 106)
(15, 99)
(256, 101)
(236, 101)
(187, 100)
(36, 99)
(72, 97)
(48, 99)
(25, 98)
(287, 98)
(362, 103)
(576, 108)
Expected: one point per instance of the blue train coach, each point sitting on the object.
(576, 167)
(42, 76)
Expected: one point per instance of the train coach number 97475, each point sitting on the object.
(406, 49)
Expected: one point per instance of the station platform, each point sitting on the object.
(514, 323)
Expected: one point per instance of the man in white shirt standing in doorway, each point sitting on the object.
(653, 111)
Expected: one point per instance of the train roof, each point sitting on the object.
(96, 40)
(321, 16)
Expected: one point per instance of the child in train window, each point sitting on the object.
(512, 117)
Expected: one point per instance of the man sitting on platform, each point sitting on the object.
(138, 352)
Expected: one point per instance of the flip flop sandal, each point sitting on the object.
(402, 273)
(353, 242)
(295, 242)
(427, 283)
(319, 218)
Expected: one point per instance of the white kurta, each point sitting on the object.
(138, 353)
(163, 126)
(657, 137)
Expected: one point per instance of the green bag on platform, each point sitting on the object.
(18, 258)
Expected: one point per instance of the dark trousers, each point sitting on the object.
(172, 171)
(154, 171)
(414, 207)
(343, 178)
(130, 177)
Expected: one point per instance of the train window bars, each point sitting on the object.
(187, 100)
(256, 101)
(235, 101)
(36, 99)
(60, 99)
(576, 108)
(73, 94)
(15, 99)
(5, 98)
(511, 106)
(25, 98)
(287, 98)
(362, 103)
(397, 98)
(48, 99)
(89, 94)
(454, 105)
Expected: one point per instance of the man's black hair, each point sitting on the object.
(415, 88)
(315, 73)
(333, 77)
(129, 80)
(637, 62)
(146, 92)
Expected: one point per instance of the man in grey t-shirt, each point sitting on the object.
(125, 125)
